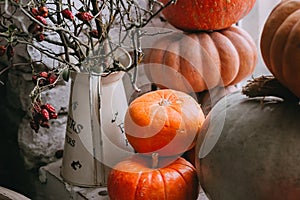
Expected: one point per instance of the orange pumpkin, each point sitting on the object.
(194, 62)
(280, 41)
(164, 121)
(191, 15)
(136, 179)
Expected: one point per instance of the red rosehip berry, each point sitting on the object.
(52, 78)
(84, 16)
(36, 108)
(53, 115)
(43, 74)
(45, 124)
(2, 50)
(49, 107)
(45, 114)
(67, 14)
(35, 28)
(43, 10)
(40, 37)
(34, 11)
(41, 19)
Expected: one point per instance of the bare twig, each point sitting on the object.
(74, 35)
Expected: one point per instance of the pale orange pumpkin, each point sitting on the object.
(164, 121)
(280, 42)
(137, 179)
(194, 62)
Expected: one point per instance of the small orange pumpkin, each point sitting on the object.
(280, 42)
(194, 62)
(164, 121)
(136, 179)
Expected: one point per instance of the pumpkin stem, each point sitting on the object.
(164, 102)
(268, 86)
(154, 160)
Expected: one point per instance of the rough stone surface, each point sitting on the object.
(18, 89)
(39, 148)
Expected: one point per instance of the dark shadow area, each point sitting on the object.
(13, 174)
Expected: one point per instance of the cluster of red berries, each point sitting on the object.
(84, 16)
(41, 114)
(44, 78)
(8, 50)
(34, 28)
(66, 13)
(42, 12)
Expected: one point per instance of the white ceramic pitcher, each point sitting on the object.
(95, 138)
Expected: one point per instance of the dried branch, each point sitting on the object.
(268, 86)
(84, 30)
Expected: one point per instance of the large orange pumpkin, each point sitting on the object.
(191, 15)
(164, 121)
(136, 179)
(280, 41)
(194, 62)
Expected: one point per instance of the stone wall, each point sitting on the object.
(36, 148)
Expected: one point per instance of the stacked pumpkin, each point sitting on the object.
(209, 51)
(205, 53)
(163, 124)
(160, 125)
(256, 152)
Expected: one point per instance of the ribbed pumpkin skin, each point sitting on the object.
(280, 41)
(163, 121)
(134, 179)
(191, 15)
(194, 62)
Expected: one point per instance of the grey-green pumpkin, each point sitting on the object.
(249, 149)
